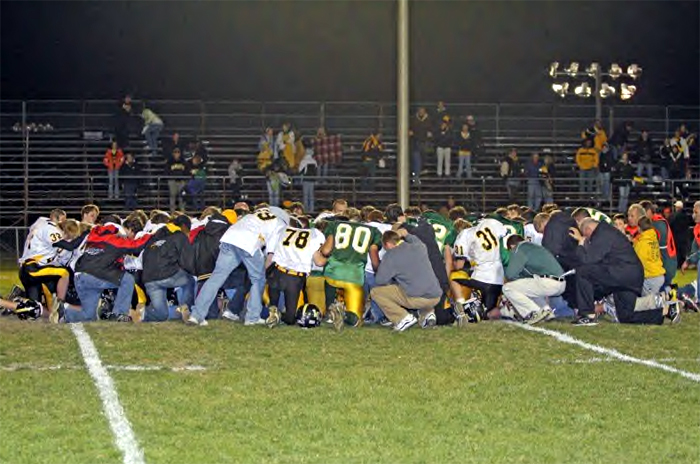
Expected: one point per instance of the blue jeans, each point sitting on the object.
(624, 198)
(113, 188)
(89, 290)
(416, 160)
(152, 133)
(308, 195)
(464, 165)
(534, 194)
(604, 182)
(649, 168)
(586, 180)
(157, 291)
(130, 201)
(273, 195)
(195, 187)
(375, 311)
(230, 257)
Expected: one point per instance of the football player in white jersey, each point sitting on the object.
(480, 245)
(292, 259)
(38, 265)
(242, 243)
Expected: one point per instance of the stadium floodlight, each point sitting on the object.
(553, 68)
(583, 90)
(607, 90)
(634, 71)
(627, 91)
(561, 89)
(593, 69)
(615, 71)
(572, 69)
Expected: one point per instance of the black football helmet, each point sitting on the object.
(309, 316)
(28, 309)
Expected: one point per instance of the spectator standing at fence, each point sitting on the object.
(681, 223)
(234, 180)
(605, 167)
(177, 174)
(623, 176)
(511, 170)
(645, 153)
(308, 169)
(597, 134)
(548, 173)
(130, 174)
(587, 162)
(198, 181)
(534, 185)
(113, 160)
(152, 126)
(123, 123)
(619, 139)
(476, 136)
(465, 150)
(286, 139)
(444, 140)
(421, 135)
(372, 152)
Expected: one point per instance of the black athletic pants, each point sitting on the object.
(489, 292)
(291, 285)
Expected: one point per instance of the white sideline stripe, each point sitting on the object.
(608, 359)
(124, 436)
(565, 338)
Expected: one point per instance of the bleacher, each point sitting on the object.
(64, 167)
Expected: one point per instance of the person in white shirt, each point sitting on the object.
(375, 219)
(242, 243)
(292, 260)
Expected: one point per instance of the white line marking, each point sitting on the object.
(608, 359)
(565, 338)
(121, 428)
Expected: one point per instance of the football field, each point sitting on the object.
(492, 392)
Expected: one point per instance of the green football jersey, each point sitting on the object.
(351, 242)
(599, 216)
(444, 229)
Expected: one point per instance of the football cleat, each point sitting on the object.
(537, 316)
(16, 292)
(430, 321)
(689, 304)
(274, 318)
(336, 314)
(461, 319)
(586, 321)
(472, 310)
(674, 312)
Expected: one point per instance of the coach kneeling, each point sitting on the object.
(405, 279)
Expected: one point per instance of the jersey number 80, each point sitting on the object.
(359, 240)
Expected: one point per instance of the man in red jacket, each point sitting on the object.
(113, 161)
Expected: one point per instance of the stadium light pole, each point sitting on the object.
(402, 105)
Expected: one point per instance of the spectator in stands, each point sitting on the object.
(623, 175)
(308, 169)
(677, 156)
(234, 180)
(372, 152)
(123, 122)
(172, 143)
(587, 162)
(286, 139)
(465, 150)
(441, 115)
(197, 147)
(130, 174)
(421, 135)
(268, 143)
(681, 223)
(113, 161)
(475, 135)
(177, 174)
(596, 134)
(605, 167)
(198, 181)
(663, 158)
(152, 125)
(534, 185)
(511, 171)
(619, 139)
(548, 173)
(443, 146)
(645, 151)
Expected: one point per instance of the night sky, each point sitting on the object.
(476, 51)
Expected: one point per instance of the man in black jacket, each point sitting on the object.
(165, 266)
(554, 228)
(609, 265)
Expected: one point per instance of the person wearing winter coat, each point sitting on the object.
(113, 161)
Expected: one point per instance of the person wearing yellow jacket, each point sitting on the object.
(646, 245)
(587, 162)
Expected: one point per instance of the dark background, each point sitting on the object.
(476, 51)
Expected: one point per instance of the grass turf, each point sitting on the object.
(490, 393)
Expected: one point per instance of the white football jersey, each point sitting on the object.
(295, 248)
(481, 246)
(381, 227)
(532, 235)
(39, 243)
(70, 258)
(255, 230)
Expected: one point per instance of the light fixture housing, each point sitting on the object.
(615, 71)
(561, 89)
(634, 71)
(607, 90)
(553, 68)
(627, 91)
(572, 69)
(583, 90)
(593, 69)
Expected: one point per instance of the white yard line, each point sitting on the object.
(595, 360)
(124, 436)
(565, 338)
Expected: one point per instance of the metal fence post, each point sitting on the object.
(498, 125)
(25, 140)
(322, 116)
(667, 124)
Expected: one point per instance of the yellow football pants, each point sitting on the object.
(354, 297)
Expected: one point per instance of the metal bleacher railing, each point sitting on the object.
(62, 167)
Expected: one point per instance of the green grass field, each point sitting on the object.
(489, 393)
